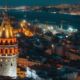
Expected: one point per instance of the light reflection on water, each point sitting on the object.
(46, 18)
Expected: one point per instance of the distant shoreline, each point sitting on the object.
(75, 14)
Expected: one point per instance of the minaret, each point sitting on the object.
(8, 49)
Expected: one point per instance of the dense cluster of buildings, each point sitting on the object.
(39, 54)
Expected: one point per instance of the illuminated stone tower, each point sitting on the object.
(8, 49)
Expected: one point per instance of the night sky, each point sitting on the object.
(37, 2)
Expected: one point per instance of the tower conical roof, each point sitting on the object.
(6, 30)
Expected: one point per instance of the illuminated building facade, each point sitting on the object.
(8, 49)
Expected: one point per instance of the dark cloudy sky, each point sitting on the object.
(37, 2)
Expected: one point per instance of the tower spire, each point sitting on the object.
(6, 30)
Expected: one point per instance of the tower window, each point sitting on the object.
(11, 64)
(0, 65)
(10, 51)
(11, 42)
(1, 42)
(5, 50)
(6, 43)
(1, 50)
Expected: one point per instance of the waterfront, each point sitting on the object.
(47, 55)
(46, 18)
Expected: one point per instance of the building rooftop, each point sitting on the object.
(6, 30)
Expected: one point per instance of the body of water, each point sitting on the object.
(46, 18)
